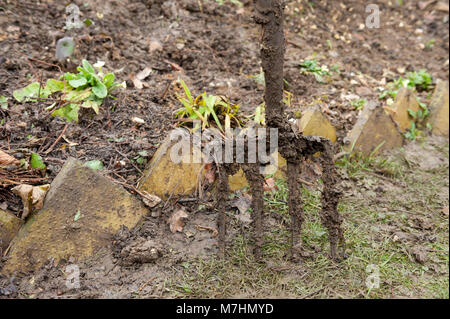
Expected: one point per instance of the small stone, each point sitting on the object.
(374, 130)
(314, 123)
(419, 254)
(363, 91)
(164, 177)
(439, 118)
(53, 233)
(405, 100)
(155, 46)
(9, 226)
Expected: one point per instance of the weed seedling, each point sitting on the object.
(85, 89)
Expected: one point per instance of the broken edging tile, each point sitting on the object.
(81, 213)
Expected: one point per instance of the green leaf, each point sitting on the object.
(77, 96)
(69, 112)
(64, 48)
(186, 91)
(100, 90)
(95, 165)
(87, 22)
(76, 83)
(70, 76)
(109, 80)
(77, 216)
(4, 102)
(412, 113)
(30, 91)
(36, 162)
(91, 104)
(53, 86)
(88, 67)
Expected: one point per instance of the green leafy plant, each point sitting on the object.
(419, 121)
(3, 102)
(141, 158)
(358, 104)
(85, 89)
(37, 162)
(416, 81)
(313, 67)
(413, 133)
(205, 108)
(421, 80)
(95, 165)
(430, 44)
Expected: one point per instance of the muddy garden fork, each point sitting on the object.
(294, 147)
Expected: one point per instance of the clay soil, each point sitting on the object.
(215, 48)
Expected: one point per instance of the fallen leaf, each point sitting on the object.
(138, 120)
(32, 197)
(210, 174)
(176, 221)
(214, 232)
(269, 185)
(243, 204)
(150, 200)
(144, 74)
(155, 46)
(136, 82)
(445, 210)
(6, 159)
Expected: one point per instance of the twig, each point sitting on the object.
(166, 90)
(171, 194)
(146, 283)
(57, 140)
(127, 159)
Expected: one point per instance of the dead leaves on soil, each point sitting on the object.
(150, 200)
(138, 78)
(6, 159)
(32, 197)
(176, 221)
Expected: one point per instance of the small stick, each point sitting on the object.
(146, 283)
(57, 140)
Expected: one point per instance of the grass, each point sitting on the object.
(370, 224)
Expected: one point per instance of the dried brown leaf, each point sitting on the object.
(6, 159)
(32, 197)
(176, 221)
